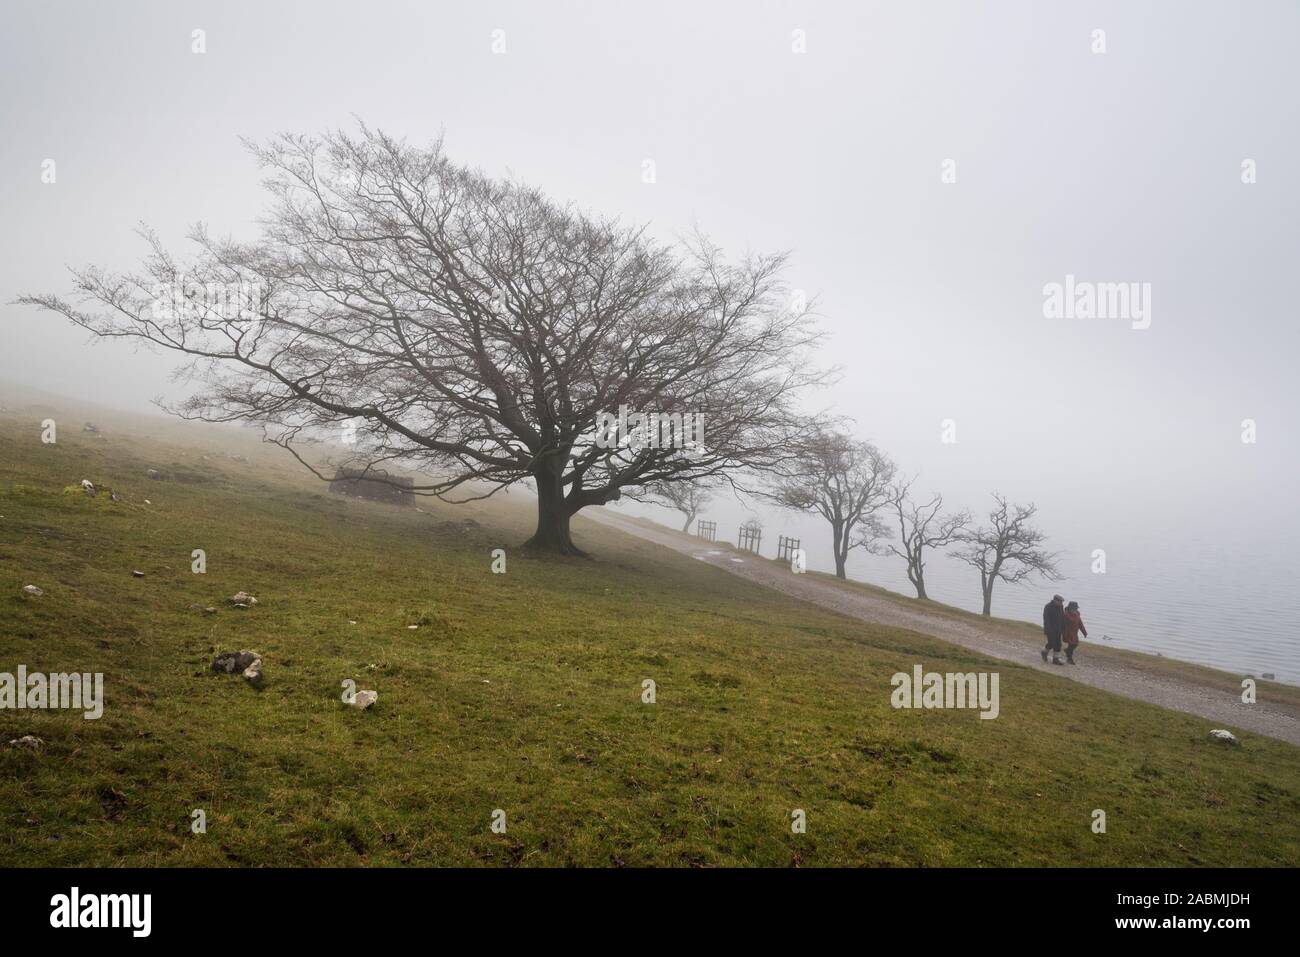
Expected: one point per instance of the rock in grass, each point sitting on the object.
(136, 573)
(33, 591)
(154, 474)
(1224, 737)
(27, 742)
(364, 699)
(242, 600)
(233, 662)
(253, 673)
(88, 486)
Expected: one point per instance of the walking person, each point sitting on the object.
(1053, 624)
(1072, 625)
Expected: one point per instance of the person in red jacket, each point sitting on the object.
(1071, 626)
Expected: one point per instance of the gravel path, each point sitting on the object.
(1109, 673)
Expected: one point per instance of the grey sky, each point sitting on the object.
(1123, 166)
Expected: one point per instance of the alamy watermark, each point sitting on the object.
(84, 692)
(649, 430)
(1080, 299)
(922, 689)
(76, 909)
(211, 300)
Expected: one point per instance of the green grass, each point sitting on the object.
(523, 692)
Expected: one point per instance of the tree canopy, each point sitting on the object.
(468, 328)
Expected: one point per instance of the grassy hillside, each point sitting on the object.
(522, 692)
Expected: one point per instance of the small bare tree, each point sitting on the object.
(922, 526)
(471, 329)
(844, 480)
(689, 498)
(1008, 548)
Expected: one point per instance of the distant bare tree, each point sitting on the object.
(685, 497)
(1008, 548)
(922, 526)
(469, 328)
(844, 480)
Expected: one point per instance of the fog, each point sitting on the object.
(1122, 166)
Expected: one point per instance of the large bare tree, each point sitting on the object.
(922, 526)
(844, 480)
(1008, 548)
(469, 328)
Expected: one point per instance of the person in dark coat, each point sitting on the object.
(1053, 624)
(1072, 625)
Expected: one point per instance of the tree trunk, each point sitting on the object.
(687, 527)
(916, 576)
(841, 554)
(553, 514)
(987, 580)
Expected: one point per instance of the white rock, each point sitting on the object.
(89, 486)
(28, 741)
(242, 599)
(253, 673)
(1227, 737)
(364, 699)
(33, 590)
